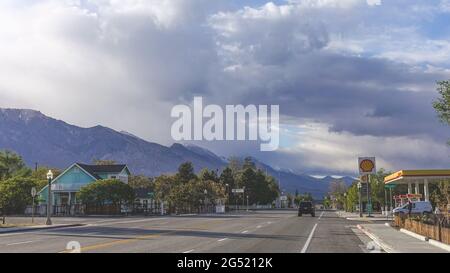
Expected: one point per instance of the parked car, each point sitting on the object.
(418, 207)
(306, 208)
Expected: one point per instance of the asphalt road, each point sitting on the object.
(260, 232)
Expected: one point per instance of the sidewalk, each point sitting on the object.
(394, 241)
(355, 217)
(33, 228)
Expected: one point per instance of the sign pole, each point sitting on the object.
(33, 194)
(390, 200)
(32, 211)
(368, 196)
(359, 197)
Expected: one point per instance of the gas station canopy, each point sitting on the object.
(408, 176)
(418, 177)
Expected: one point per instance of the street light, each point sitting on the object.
(49, 197)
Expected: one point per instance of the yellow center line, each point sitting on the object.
(202, 226)
(119, 242)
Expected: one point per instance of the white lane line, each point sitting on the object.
(127, 222)
(305, 247)
(259, 226)
(189, 251)
(245, 231)
(321, 215)
(269, 223)
(20, 243)
(224, 239)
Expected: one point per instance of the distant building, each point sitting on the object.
(69, 182)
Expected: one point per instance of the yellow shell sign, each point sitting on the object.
(367, 165)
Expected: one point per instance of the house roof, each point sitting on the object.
(94, 170)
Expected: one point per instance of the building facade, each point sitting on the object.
(68, 183)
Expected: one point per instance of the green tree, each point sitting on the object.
(442, 104)
(440, 194)
(377, 190)
(227, 179)
(15, 194)
(185, 173)
(235, 165)
(248, 163)
(352, 199)
(103, 192)
(206, 175)
(327, 202)
(274, 190)
(40, 175)
(11, 164)
(141, 182)
(163, 185)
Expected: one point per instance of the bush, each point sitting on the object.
(15, 194)
(104, 192)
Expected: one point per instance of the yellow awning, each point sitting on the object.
(417, 175)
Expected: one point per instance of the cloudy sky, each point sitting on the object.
(352, 77)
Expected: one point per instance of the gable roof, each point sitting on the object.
(94, 170)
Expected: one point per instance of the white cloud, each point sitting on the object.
(125, 63)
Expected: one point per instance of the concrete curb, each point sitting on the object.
(34, 228)
(425, 239)
(439, 244)
(378, 241)
(415, 235)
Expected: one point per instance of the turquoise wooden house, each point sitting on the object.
(69, 182)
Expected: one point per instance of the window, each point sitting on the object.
(113, 177)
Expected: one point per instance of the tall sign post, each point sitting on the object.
(359, 197)
(367, 167)
(238, 191)
(33, 195)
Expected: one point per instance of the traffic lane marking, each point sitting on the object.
(189, 251)
(320, 217)
(308, 242)
(119, 242)
(136, 239)
(20, 243)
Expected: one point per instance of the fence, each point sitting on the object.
(433, 227)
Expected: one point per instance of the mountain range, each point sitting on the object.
(51, 142)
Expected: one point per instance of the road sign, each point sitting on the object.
(366, 165)
(237, 190)
(390, 186)
(33, 192)
(283, 198)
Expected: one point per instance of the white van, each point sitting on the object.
(418, 207)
